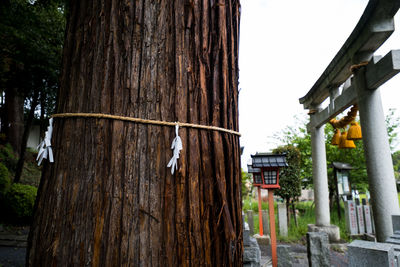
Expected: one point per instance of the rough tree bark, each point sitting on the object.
(109, 198)
(14, 118)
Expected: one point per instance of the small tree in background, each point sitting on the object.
(246, 181)
(289, 178)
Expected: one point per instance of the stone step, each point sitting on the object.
(366, 253)
(392, 240)
(13, 243)
(10, 240)
(397, 236)
(13, 237)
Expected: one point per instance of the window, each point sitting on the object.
(270, 177)
(257, 178)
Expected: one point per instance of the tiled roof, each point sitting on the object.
(250, 169)
(268, 160)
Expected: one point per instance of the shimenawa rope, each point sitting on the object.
(144, 121)
(355, 67)
(45, 146)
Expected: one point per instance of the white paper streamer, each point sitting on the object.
(177, 147)
(45, 146)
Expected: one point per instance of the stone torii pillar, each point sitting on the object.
(378, 157)
(320, 176)
(320, 180)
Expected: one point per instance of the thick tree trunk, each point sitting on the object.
(14, 107)
(109, 198)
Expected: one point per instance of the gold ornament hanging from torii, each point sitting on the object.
(345, 139)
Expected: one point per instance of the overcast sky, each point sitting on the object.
(285, 45)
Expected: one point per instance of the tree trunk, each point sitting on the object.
(294, 213)
(3, 113)
(25, 136)
(288, 211)
(42, 122)
(14, 106)
(109, 198)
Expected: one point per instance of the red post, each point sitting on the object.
(259, 211)
(272, 226)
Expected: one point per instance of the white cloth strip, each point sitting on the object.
(176, 146)
(45, 150)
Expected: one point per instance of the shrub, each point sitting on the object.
(4, 179)
(31, 173)
(8, 157)
(19, 202)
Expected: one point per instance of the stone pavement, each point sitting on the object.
(12, 256)
(15, 256)
(13, 250)
(13, 246)
(299, 255)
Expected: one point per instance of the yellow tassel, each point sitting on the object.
(354, 132)
(344, 143)
(336, 138)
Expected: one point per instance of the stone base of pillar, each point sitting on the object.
(333, 231)
(262, 240)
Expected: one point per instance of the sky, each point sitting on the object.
(284, 47)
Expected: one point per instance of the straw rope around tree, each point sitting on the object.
(144, 121)
(45, 149)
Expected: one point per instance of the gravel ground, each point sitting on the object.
(12, 256)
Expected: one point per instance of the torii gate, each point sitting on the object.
(361, 87)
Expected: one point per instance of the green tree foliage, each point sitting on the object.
(246, 181)
(289, 177)
(7, 156)
(392, 124)
(32, 34)
(5, 181)
(298, 137)
(396, 164)
(19, 203)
